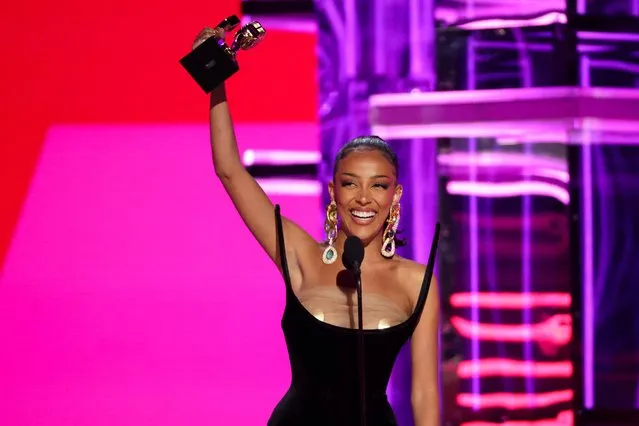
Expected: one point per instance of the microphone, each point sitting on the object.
(352, 260)
(353, 254)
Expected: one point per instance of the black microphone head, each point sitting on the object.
(353, 253)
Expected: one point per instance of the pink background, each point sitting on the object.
(132, 294)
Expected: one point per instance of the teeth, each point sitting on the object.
(363, 215)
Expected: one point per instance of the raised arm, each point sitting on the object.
(251, 202)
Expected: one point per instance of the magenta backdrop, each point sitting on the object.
(132, 294)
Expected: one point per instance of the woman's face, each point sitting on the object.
(364, 188)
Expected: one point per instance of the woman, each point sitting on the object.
(320, 318)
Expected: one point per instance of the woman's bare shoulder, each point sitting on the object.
(411, 271)
(410, 275)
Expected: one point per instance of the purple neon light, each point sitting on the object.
(489, 95)
(421, 40)
(518, 9)
(295, 24)
(539, 166)
(379, 38)
(495, 23)
(508, 189)
(588, 273)
(508, 159)
(473, 224)
(581, 6)
(624, 132)
(540, 47)
(559, 175)
(280, 157)
(351, 32)
(588, 253)
(501, 95)
(590, 35)
(526, 271)
(526, 66)
(300, 187)
(453, 187)
(614, 65)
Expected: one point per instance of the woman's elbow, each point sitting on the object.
(425, 396)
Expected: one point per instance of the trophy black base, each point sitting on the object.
(210, 64)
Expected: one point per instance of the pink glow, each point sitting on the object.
(504, 159)
(555, 114)
(280, 157)
(504, 96)
(552, 131)
(565, 418)
(299, 187)
(511, 300)
(514, 401)
(600, 36)
(495, 23)
(295, 24)
(126, 298)
(508, 189)
(559, 175)
(513, 368)
(556, 330)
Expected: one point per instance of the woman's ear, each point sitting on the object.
(398, 194)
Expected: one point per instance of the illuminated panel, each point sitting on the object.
(507, 189)
(132, 292)
(564, 418)
(488, 367)
(511, 300)
(536, 114)
(548, 18)
(514, 401)
(556, 330)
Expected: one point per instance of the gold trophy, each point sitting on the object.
(213, 61)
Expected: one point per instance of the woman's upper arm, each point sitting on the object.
(297, 241)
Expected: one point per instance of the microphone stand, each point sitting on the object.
(360, 348)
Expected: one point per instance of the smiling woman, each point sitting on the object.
(399, 301)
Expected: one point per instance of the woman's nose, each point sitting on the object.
(362, 197)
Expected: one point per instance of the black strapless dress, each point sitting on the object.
(324, 387)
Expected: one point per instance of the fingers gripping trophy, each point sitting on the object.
(212, 61)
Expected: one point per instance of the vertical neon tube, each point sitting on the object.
(474, 229)
(588, 253)
(526, 212)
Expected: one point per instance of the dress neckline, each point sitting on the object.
(339, 328)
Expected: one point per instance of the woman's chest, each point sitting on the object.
(332, 298)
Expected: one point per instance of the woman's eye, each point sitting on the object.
(381, 185)
(346, 184)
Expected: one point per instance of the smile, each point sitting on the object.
(363, 217)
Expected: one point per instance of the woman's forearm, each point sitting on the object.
(226, 157)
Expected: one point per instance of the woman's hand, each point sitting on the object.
(218, 94)
(207, 33)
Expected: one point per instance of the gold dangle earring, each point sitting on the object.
(388, 247)
(330, 253)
